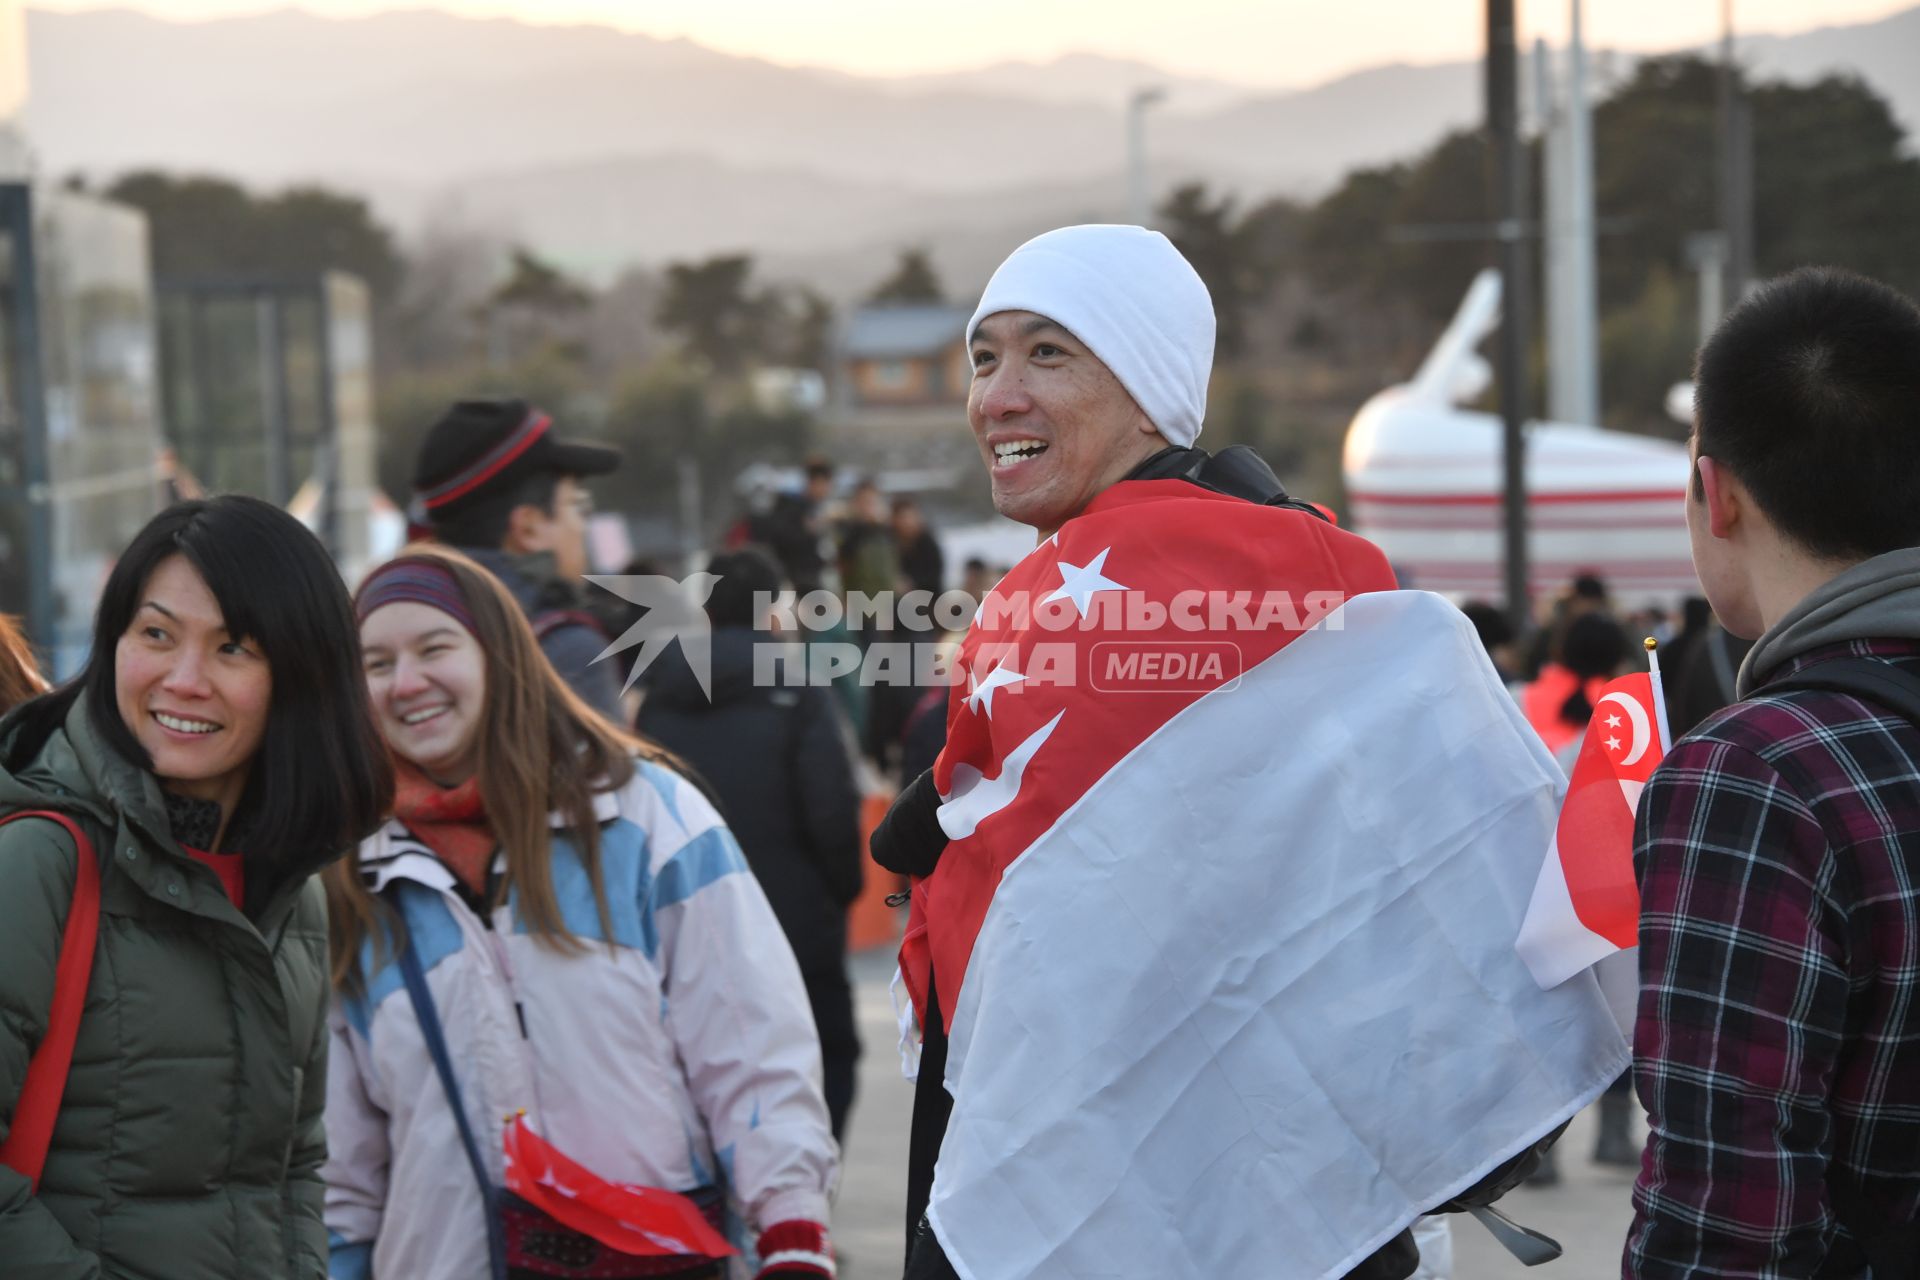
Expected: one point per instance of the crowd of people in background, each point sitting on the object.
(546, 856)
(785, 769)
(436, 950)
(1583, 639)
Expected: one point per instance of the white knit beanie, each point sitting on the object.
(1128, 294)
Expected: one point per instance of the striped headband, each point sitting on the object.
(489, 464)
(414, 580)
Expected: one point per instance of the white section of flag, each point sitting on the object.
(1553, 943)
(1252, 1004)
(1555, 946)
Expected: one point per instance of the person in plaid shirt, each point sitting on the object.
(1777, 1046)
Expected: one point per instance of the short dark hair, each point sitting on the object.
(1489, 623)
(320, 781)
(744, 574)
(1809, 394)
(1592, 648)
(483, 522)
(818, 468)
(1589, 586)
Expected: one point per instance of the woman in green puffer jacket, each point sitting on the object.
(217, 750)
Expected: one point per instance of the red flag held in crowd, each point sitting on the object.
(1586, 904)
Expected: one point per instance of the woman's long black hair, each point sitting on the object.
(320, 781)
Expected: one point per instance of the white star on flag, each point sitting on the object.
(1080, 583)
(1613, 722)
(980, 692)
(1613, 744)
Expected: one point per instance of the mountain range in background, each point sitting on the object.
(602, 149)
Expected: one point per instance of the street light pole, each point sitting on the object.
(1139, 202)
(1736, 167)
(1510, 197)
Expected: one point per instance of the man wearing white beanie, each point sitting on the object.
(1184, 950)
(1091, 350)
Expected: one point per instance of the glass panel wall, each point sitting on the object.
(99, 368)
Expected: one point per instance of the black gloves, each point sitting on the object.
(909, 840)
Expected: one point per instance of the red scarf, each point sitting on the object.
(230, 866)
(451, 821)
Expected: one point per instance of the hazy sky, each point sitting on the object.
(1256, 41)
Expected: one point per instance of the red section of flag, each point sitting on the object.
(644, 1221)
(1595, 833)
(1183, 591)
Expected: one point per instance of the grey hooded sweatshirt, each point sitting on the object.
(1877, 599)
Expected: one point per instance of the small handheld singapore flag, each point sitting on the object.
(1586, 904)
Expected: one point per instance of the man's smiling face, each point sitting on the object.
(1055, 427)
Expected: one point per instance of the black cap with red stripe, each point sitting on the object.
(481, 447)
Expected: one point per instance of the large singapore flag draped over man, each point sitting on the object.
(1228, 947)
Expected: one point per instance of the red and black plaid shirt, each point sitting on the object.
(1778, 1041)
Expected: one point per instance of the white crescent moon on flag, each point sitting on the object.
(1642, 728)
(974, 798)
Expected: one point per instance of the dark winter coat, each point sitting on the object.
(778, 760)
(923, 563)
(189, 1141)
(791, 530)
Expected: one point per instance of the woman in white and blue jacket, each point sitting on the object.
(596, 958)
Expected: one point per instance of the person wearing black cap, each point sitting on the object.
(494, 480)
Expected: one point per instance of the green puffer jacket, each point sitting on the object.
(190, 1140)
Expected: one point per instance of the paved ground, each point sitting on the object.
(869, 1218)
(1588, 1212)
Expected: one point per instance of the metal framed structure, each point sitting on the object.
(79, 427)
(267, 386)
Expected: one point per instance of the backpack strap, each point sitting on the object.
(34, 1111)
(1880, 683)
(545, 624)
(1893, 1248)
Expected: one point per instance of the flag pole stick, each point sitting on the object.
(1659, 695)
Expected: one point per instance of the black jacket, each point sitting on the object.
(777, 758)
(923, 563)
(791, 530)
